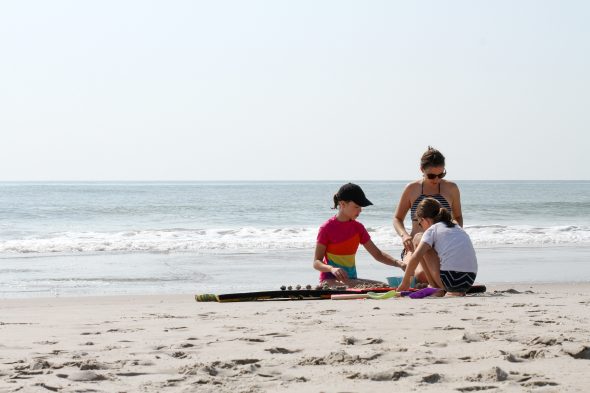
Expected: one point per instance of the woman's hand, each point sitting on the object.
(408, 242)
(340, 274)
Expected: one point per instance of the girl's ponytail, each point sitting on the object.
(444, 216)
(431, 208)
(336, 200)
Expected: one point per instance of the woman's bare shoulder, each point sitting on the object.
(413, 185)
(451, 185)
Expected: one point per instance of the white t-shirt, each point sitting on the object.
(453, 247)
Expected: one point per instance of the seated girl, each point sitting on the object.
(444, 251)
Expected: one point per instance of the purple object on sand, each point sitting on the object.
(423, 293)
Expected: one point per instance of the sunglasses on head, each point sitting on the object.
(434, 176)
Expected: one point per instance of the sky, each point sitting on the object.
(293, 90)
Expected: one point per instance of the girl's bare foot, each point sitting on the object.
(455, 293)
(440, 293)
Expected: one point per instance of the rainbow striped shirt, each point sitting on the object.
(342, 239)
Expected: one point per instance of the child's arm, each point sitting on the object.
(320, 251)
(382, 256)
(412, 264)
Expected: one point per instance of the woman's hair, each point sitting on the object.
(431, 208)
(432, 158)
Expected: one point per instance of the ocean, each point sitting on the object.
(102, 238)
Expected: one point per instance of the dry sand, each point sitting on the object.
(515, 338)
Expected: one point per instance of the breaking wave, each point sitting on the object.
(248, 239)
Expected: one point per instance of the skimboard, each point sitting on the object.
(302, 294)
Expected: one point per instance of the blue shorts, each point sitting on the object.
(457, 281)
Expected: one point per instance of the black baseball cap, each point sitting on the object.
(352, 192)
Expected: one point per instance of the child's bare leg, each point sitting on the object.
(431, 267)
(429, 275)
(419, 273)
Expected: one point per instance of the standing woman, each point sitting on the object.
(432, 184)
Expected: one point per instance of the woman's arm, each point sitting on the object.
(456, 204)
(382, 256)
(398, 219)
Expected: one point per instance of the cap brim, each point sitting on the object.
(364, 202)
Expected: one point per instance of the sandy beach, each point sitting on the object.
(513, 338)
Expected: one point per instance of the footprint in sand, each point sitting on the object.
(176, 328)
(35, 365)
(380, 376)
(277, 334)
(524, 356)
(282, 350)
(434, 344)
(346, 340)
(371, 341)
(448, 327)
(124, 330)
(49, 387)
(472, 337)
(578, 352)
(169, 316)
(337, 358)
(542, 322)
(131, 374)
(495, 374)
(252, 340)
(90, 333)
(432, 378)
(546, 340)
(184, 345)
(476, 388)
(86, 376)
(536, 384)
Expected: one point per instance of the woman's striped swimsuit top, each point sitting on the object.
(441, 199)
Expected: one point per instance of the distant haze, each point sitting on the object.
(289, 90)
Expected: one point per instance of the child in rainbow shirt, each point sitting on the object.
(339, 238)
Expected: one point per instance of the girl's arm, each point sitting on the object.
(320, 251)
(381, 256)
(412, 264)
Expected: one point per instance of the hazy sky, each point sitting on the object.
(285, 90)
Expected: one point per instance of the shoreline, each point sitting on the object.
(140, 273)
(516, 337)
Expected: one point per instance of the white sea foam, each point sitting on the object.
(267, 239)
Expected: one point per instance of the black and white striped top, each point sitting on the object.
(441, 199)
